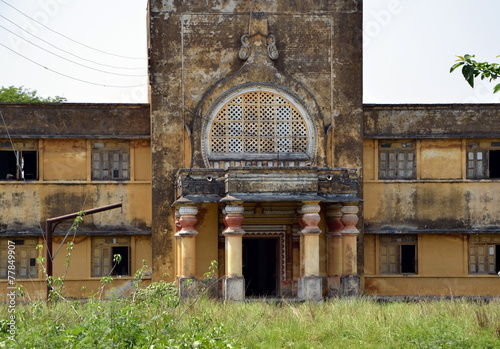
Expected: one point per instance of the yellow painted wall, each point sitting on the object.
(64, 159)
(142, 160)
(369, 156)
(441, 158)
(441, 254)
(442, 270)
(207, 240)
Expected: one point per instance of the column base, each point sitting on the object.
(233, 288)
(188, 287)
(350, 285)
(310, 288)
(333, 286)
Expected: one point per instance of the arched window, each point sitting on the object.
(259, 127)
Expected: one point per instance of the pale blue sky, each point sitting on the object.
(409, 46)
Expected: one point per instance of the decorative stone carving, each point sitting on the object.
(245, 47)
(258, 36)
(272, 50)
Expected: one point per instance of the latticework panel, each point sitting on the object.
(261, 124)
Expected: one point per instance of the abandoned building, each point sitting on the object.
(257, 152)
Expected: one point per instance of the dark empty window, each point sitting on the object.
(18, 165)
(120, 267)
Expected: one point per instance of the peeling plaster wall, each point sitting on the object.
(194, 47)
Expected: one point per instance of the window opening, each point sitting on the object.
(484, 254)
(122, 267)
(259, 128)
(25, 266)
(398, 254)
(110, 161)
(18, 161)
(494, 163)
(103, 251)
(396, 160)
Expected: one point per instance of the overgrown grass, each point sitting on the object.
(155, 318)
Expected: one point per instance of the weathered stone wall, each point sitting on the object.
(68, 120)
(194, 47)
(432, 121)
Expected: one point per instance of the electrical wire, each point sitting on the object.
(69, 60)
(68, 76)
(67, 52)
(68, 38)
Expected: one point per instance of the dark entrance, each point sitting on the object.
(260, 266)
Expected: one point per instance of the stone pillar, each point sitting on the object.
(350, 283)
(234, 283)
(334, 248)
(310, 285)
(187, 249)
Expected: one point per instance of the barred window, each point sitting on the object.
(484, 254)
(259, 128)
(110, 161)
(396, 160)
(398, 254)
(24, 262)
(104, 250)
(483, 160)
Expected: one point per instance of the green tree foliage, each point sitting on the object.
(21, 94)
(471, 69)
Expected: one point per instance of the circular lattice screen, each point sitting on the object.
(259, 128)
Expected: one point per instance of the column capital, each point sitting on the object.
(334, 219)
(310, 217)
(350, 217)
(233, 218)
(187, 220)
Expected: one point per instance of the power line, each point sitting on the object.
(67, 76)
(68, 38)
(69, 60)
(72, 54)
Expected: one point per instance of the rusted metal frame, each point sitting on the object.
(50, 226)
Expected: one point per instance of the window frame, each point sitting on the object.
(277, 158)
(397, 241)
(104, 247)
(108, 157)
(17, 153)
(484, 254)
(404, 160)
(478, 159)
(25, 258)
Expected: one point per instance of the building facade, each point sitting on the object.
(256, 152)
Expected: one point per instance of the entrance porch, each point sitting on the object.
(284, 232)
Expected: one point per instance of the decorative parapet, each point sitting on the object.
(268, 184)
